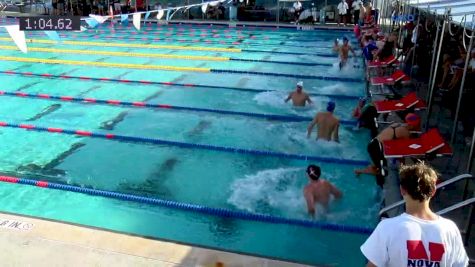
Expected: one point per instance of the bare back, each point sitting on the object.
(344, 50)
(327, 126)
(320, 192)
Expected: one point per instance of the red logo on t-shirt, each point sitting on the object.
(417, 254)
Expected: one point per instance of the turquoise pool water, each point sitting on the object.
(258, 184)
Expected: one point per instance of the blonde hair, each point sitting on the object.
(419, 180)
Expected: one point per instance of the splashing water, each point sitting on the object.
(276, 191)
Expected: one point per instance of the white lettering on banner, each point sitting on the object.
(16, 225)
(305, 28)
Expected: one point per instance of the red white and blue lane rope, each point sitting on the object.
(156, 141)
(200, 209)
(138, 104)
(145, 82)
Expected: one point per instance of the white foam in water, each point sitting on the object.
(272, 98)
(334, 89)
(350, 70)
(279, 192)
(270, 191)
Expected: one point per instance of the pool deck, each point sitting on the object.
(37, 242)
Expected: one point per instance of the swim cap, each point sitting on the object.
(363, 100)
(345, 39)
(331, 106)
(413, 120)
(300, 84)
(314, 172)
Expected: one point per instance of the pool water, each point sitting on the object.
(258, 184)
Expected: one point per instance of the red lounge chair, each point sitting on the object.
(429, 142)
(383, 63)
(397, 76)
(409, 101)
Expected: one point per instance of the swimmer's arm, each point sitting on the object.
(335, 192)
(288, 98)
(309, 100)
(310, 126)
(352, 51)
(310, 203)
(336, 137)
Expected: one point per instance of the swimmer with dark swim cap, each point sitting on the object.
(344, 51)
(318, 190)
(327, 123)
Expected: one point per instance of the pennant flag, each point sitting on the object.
(18, 37)
(100, 19)
(124, 19)
(82, 29)
(204, 7)
(147, 15)
(160, 14)
(53, 35)
(136, 20)
(92, 22)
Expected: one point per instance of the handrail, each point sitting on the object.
(444, 183)
(457, 206)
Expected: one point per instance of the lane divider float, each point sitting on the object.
(113, 102)
(156, 141)
(147, 82)
(196, 208)
(171, 68)
(132, 45)
(154, 55)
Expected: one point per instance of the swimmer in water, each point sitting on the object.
(318, 190)
(327, 123)
(336, 47)
(344, 51)
(299, 97)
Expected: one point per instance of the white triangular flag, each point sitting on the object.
(53, 36)
(18, 37)
(204, 7)
(136, 20)
(160, 14)
(100, 19)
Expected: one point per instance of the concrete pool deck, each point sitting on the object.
(26, 241)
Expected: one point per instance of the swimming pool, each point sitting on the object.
(253, 80)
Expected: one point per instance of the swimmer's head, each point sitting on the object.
(345, 40)
(299, 86)
(336, 41)
(413, 121)
(362, 101)
(331, 106)
(313, 172)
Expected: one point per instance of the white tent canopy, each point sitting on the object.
(459, 8)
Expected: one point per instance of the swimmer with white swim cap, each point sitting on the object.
(299, 97)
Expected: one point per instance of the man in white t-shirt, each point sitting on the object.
(418, 237)
(297, 10)
(342, 10)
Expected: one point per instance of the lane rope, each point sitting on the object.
(200, 209)
(155, 141)
(154, 55)
(170, 68)
(103, 64)
(146, 82)
(132, 45)
(113, 102)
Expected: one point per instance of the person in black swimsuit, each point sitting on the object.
(376, 151)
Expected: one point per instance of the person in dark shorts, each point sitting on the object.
(376, 151)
